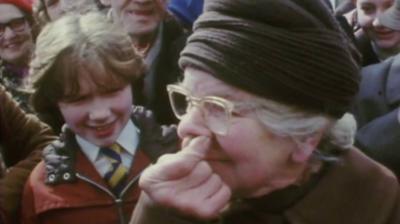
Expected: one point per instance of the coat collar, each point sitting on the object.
(154, 140)
(356, 190)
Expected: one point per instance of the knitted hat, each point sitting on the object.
(24, 5)
(391, 17)
(290, 51)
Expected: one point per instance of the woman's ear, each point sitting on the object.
(305, 147)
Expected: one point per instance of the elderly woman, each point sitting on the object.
(265, 133)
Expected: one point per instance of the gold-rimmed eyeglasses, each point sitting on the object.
(217, 111)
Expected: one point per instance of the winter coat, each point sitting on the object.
(354, 190)
(66, 188)
(22, 138)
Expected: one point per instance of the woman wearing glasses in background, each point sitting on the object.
(16, 44)
(266, 137)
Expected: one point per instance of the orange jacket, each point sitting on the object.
(79, 194)
(88, 200)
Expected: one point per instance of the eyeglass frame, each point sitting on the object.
(228, 105)
(17, 29)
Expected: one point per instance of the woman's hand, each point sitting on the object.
(185, 182)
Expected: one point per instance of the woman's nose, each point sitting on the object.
(193, 124)
(8, 33)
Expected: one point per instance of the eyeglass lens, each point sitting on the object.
(17, 24)
(215, 113)
(179, 103)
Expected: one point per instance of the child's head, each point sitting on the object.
(81, 75)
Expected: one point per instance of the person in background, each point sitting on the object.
(377, 105)
(45, 11)
(159, 38)
(16, 44)
(186, 11)
(266, 134)
(375, 41)
(22, 138)
(91, 174)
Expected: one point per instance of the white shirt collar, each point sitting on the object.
(128, 139)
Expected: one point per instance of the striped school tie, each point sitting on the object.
(117, 173)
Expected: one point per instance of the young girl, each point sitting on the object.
(82, 74)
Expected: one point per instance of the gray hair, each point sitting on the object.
(290, 121)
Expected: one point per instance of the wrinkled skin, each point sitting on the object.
(187, 182)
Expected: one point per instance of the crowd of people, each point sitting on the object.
(192, 111)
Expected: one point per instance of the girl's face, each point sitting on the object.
(367, 16)
(15, 35)
(97, 115)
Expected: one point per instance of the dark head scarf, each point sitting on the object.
(291, 51)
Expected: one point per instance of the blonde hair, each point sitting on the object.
(76, 46)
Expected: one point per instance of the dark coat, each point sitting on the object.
(13, 83)
(376, 111)
(355, 190)
(22, 137)
(166, 71)
(364, 45)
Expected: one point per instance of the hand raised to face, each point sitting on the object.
(185, 182)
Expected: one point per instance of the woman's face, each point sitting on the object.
(367, 13)
(15, 39)
(95, 114)
(249, 158)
